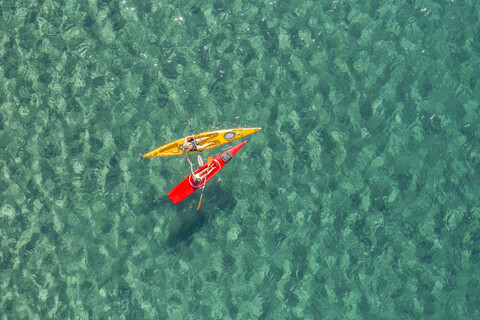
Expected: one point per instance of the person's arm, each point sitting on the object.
(191, 166)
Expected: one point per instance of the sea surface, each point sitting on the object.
(359, 198)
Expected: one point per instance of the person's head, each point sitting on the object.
(187, 146)
(196, 180)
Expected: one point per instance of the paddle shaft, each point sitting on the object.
(199, 157)
(209, 162)
(191, 130)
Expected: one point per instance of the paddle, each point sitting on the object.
(199, 157)
(191, 130)
(209, 162)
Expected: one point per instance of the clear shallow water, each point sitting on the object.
(358, 199)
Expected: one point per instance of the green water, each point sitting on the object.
(359, 199)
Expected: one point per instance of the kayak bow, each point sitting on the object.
(219, 138)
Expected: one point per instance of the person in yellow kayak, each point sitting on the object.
(192, 144)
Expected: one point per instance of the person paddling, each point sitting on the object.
(192, 144)
(198, 177)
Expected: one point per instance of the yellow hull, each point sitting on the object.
(219, 137)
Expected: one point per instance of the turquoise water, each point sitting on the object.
(359, 199)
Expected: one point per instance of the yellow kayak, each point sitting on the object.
(219, 137)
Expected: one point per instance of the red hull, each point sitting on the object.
(186, 187)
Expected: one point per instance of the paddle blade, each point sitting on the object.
(200, 160)
(209, 161)
(188, 118)
(200, 202)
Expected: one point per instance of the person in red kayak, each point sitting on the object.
(198, 177)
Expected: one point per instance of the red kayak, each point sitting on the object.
(187, 187)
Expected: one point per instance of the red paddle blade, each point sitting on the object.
(200, 202)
